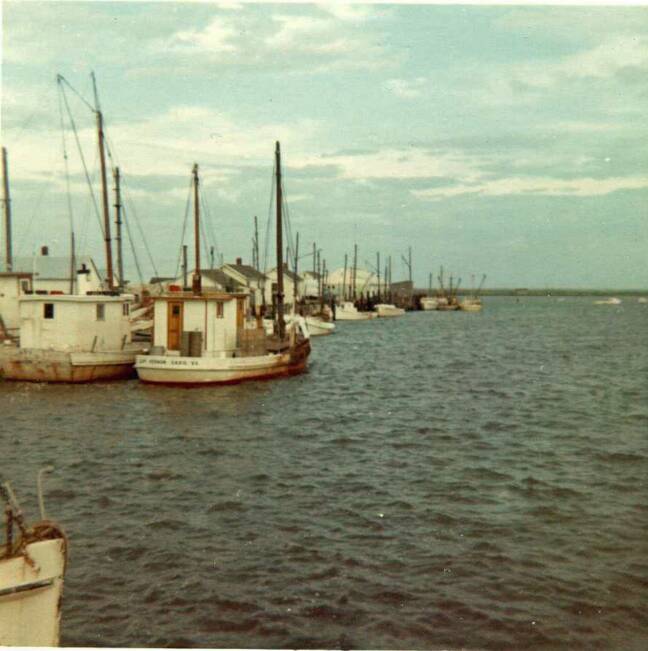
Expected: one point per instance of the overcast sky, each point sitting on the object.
(510, 141)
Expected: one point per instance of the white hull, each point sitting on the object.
(428, 303)
(168, 369)
(470, 305)
(30, 595)
(34, 365)
(318, 328)
(609, 301)
(386, 311)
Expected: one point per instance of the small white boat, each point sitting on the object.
(428, 303)
(643, 299)
(347, 311)
(386, 310)
(317, 327)
(471, 304)
(609, 301)
(32, 568)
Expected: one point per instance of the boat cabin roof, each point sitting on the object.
(203, 296)
(77, 298)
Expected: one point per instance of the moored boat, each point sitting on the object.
(32, 569)
(347, 311)
(608, 301)
(386, 310)
(428, 303)
(318, 327)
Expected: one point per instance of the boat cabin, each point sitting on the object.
(209, 324)
(90, 323)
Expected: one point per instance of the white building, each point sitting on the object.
(366, 282)
(247, 276)
(290, 280)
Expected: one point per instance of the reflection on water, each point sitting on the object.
(439, 480)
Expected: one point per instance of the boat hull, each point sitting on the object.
(471, 307)
(389, 311)
(355, 316)
(199, 371)
(25, 365)
(318, 328)
(30, 595)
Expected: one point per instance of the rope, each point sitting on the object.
(132, 246)
(184, 228)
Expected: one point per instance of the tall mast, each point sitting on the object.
(104, 187)
(256, 243)
(7, 212)
(355, 271)
(409, 264)
(314, 258)
(295, 270)
(72, 263)
(197, 281)
(344, 277)
(378, 272)
(280, 284)
(118, 225)
(184, 266)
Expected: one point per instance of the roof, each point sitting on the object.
(48, 267)
(246, 270)
(216, 275)
(288, 273)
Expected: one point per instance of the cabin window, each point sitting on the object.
(48, 311)
(219, 309)
(101, 312)
(175, 310)
(125, 309)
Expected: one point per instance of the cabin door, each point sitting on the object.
(174, 325)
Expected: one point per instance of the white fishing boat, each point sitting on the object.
(318, 327)
(387, 310)
(207, 337)
(471, 304)
(642, 299)
(71, 338)
(32, 569)
(429, 303)
(347, 311)
(608, 301)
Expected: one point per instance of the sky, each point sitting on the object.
(506, 140)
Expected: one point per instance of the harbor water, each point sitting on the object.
(439, 480)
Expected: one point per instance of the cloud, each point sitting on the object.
(581, 187)
(407, 88)
(215, 38)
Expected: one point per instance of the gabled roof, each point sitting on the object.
(48, 267)
(288, 273)
(245, 270)
(228, 283)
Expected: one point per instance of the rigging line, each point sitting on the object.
(138, 223)
(126, 221)
(184, 228)
(67, 169)
(85, 167)
(209, 225)
(61, 79)
(267, 235)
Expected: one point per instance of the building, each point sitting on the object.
(291, 282)
(247, 276)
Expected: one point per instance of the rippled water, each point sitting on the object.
(441, 480)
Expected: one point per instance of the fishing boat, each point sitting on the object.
(428, 303)
(32, 569)
(76, 337)
(387, 310)
(202, 337)
(347, 311)
(318, 327)
(472, 302)
(447, 298)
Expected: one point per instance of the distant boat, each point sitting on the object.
(472, 302)
(318, 327)
(428, 303)
(385, 310)
(609, 301)
(642, 300)
(347, 311)
(32, 568)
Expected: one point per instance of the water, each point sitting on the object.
(441, 480)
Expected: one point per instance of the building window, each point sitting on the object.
(101, 312)
(48, 311)
(24, 286)
(219, 309)
(125, 309)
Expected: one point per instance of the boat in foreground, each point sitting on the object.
(318, 327)
(32, 568)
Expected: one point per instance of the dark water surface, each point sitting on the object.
(435, 481)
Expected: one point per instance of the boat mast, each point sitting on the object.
(256, 244)
(72, 263)
(280, 284)
(7, 212)
(355, 271)
(197, 281)
(118, 225)
(378, 271)
(295, 270)
(104, 187)
(344, 277)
